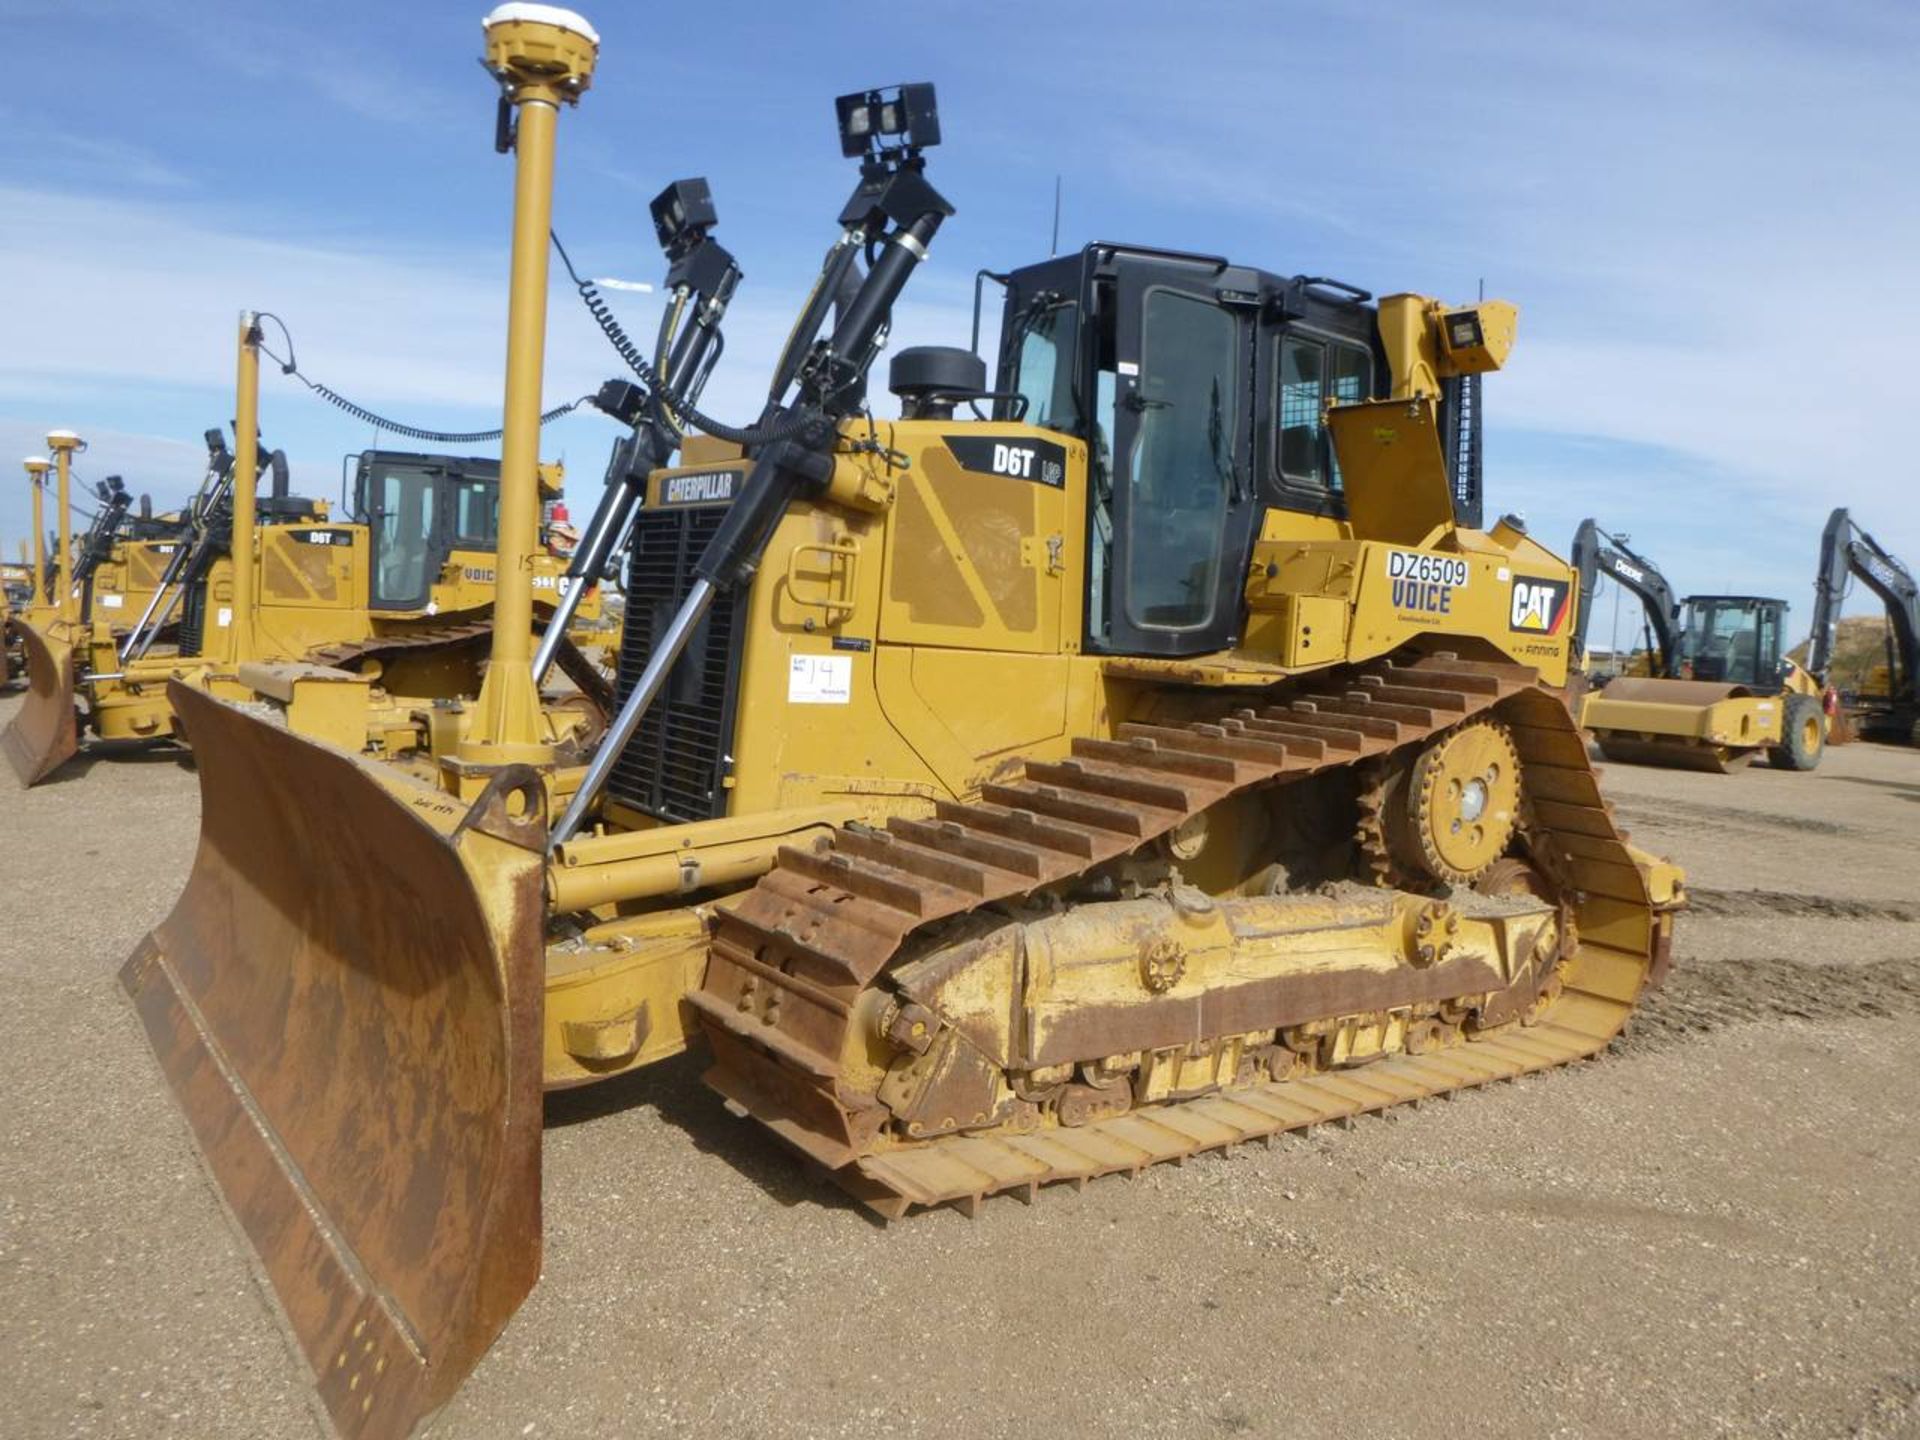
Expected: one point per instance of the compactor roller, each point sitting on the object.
(1715, 689)
(1142, 753)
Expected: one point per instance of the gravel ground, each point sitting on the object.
(1711, 1231)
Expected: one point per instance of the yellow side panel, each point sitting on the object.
(1393, 469)
(976, 561)
(295, 570)
(1315, 631)
(809, 726)
(969, 713)
(893, 659)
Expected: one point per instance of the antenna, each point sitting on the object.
(1056, 214)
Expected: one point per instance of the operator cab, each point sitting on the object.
(1734, 639)
(419, 509)
(1200, 389)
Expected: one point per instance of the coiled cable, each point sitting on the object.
(381, 422)
(747, 437)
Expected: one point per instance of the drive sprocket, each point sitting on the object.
(1446, 814)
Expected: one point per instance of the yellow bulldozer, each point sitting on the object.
(1719, 689)
(128, 565)
(1141, 754)
(17, 588)
(391, 602)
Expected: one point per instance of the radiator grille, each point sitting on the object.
(193, 618)
(676, 764)
(1463, 417)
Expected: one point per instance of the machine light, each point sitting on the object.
(682, 214)
(870, 117)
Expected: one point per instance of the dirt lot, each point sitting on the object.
(1715, 1230)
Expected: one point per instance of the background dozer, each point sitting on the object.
(1888, 707)
(22, 583)
(1152, 756)
(387, 609)
(51, 632)
(16, 591)
(1721, 688)
(127, 577)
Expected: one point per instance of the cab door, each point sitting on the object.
(1182, 501)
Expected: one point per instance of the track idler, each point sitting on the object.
(346, 1001)
(44, 734)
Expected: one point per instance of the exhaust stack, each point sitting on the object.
(63, 443)
(37, 468)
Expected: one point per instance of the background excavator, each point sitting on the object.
(1720, 688)
(1888, 710)
(1141, 754)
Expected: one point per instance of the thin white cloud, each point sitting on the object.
(134, 306)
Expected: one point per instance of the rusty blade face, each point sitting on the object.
(43, 735)
(346, 1001)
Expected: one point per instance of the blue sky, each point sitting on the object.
(1709, 215)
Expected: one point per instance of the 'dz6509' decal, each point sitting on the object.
(1424, 584)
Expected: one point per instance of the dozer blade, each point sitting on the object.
(43, 735)
(347, 1002)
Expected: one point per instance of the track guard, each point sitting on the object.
(44, 734)
(346, 1001)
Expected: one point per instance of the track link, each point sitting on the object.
(348, 653)
(789, 959)
(587, 677)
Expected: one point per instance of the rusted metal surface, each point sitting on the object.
(405, 643)
(793, 961)
(346, 1002)
(348, 653)
(45, 732)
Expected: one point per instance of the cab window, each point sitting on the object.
(1313, 373)
(1046, 330)
(1734, 641)
(476, 513)
(1181, 470)
(402, 522)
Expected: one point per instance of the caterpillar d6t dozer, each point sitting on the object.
(1721, 690)
(1160, 760)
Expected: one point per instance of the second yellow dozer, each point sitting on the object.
(49, 630)
(1163, 763)
(19, 589)
(16, 589)
(386, 611)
